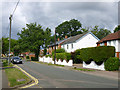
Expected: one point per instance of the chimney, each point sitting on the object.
(65, 36)
(58, 39)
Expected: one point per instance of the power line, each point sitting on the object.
(15, 7)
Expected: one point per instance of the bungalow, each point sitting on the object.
(84, 40)
(112, 39)
(58, 45)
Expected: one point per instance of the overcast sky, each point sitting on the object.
(51, 14)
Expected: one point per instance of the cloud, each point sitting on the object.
(51, 14)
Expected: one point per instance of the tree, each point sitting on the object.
(33, 37)
(117, 28)
(100, 32)
(69, 28)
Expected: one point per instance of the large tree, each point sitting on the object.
(117, 28)
(69, 28)
(100, 32)
(33, 37)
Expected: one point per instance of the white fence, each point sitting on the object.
(59, 62)
(93, 65)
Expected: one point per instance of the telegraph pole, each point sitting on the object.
(55, 47)
(10, 18)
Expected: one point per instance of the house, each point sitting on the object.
(84, 40)
(112, 39)
(58, 45)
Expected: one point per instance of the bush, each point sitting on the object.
(62, 56)
(112, 64)
(27, 57)
(98, 54)
(61, 50)
(76, 56)
(49, 55)
(34, 59)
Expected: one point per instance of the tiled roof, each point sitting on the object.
(73, 38)
(112, 36)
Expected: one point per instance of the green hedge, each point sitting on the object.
(61, 50)
(34, 59)
(76, 56)
(27, 57)
(98, 54)
(112, 64)
(48, 55)
(62, 56)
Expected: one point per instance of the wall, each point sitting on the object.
(93, 65)
(84, 42)
(59, 62)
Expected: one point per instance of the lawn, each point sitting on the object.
(14, 75)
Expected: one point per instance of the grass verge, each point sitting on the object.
(82, 69)
(16, 77)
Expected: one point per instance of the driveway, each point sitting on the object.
(52, 77)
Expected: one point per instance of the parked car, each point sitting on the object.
(16, 60)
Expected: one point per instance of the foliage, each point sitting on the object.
(27, 57)
(69, 28)
(62, 56)
(112, 64)
(33, 37)
(34, 59)
(100, 32)
(49, 55)
(117, 28)
(45, 51)
(61, 50)
(76, 56)
(98, 54)
(5, 45)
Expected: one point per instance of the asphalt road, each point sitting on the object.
(54, 77)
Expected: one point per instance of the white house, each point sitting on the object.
(112, 39)
(80, 41)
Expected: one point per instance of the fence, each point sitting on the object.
(59, 62)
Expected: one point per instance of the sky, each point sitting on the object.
(51, 14)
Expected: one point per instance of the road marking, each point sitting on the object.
(36, 81)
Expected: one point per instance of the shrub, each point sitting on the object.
(45, 51)
(75, 56)
(49, 55)
(61, 50)
(62, 56)
(27, 57)
(98, 54)
(34, 59)
(112, 64)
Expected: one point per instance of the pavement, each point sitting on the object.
(64, 77)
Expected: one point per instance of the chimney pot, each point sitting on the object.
(65, 36)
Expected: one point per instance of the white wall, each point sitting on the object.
(59, 62)
(86, 41)
(115, 43)
(93, 65)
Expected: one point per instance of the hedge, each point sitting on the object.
(27, 57)
(61, 50)
(63, 56)
(34, 59)
(112, 64)
(49, 55)
(98, 54)
(75, 56)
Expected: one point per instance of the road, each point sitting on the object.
(55, 77)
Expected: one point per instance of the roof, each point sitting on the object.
(112, 36)
(75, 38)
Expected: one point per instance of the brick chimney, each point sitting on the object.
(65, 36)
(58, 39)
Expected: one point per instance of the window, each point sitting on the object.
(72, 45)
(67, 47)
(114, 43)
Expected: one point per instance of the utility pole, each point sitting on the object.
(10, 18)
(55, 47)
